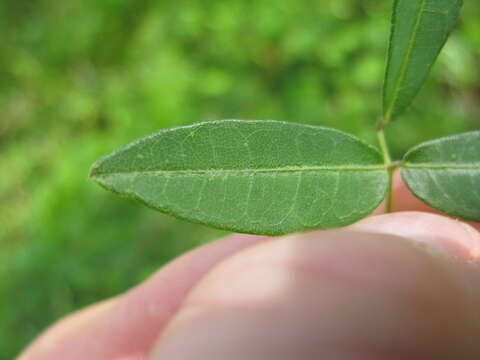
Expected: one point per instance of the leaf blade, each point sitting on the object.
(445, 174)
(420, 29)
(263, 177)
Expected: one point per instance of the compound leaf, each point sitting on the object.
(262, 177)
(420, 28)
(445, 173)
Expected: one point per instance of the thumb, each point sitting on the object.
(369, 291)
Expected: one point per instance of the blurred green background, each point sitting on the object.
(80, 78)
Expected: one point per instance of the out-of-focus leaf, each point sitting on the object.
(420, 28)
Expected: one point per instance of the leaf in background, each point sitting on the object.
(420, 28)
(445, 173)
(262, 177)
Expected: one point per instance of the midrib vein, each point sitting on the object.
(290, 169)
(473, 166)
(406, 60)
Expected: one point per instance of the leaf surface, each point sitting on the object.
(445, 173)
(420, 28)
(262, 177)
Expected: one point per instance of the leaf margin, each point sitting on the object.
(405, 166)
(96, 165)
(388, 112)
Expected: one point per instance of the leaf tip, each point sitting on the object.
(95, 171)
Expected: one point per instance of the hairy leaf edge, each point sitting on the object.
(133, 196)
(97, 164)
(239, 229)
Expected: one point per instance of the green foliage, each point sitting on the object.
(445, 174)
(420, 29)
(80, 78)
(274, 178)
(261, 177)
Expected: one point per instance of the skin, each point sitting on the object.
(399, 286)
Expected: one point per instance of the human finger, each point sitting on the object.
(125, 327)
(352, 293)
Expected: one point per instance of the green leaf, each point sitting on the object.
(420, 28)
(261, 177)
(445, 173)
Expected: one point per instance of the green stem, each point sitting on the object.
(389, 165)
(383, 146)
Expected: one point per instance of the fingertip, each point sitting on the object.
(349, 294)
